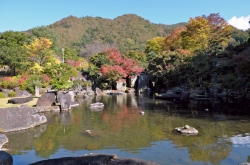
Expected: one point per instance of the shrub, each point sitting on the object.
(12, 94)
(32, 81)
(2, 95)
(6, 81)
(9, 82)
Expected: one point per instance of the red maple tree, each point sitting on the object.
(120, 66)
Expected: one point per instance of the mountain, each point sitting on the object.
(126, 32)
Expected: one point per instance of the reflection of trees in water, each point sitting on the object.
(120, 124)
(21, 140)
(210, 152)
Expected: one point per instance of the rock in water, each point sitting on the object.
(187, 130)
(5, 158)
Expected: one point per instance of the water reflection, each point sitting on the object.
(21, 140)
(119, 128)
(241, 141)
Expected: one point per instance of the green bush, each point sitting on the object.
(12, 94)
(5, 84)
(32, 81)
(2, 95)
(59, 85)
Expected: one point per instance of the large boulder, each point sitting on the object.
(94, 160)
(98, 91)
(5, 158)
(3, 140)
(72, 95)
(46, 99)
(19, 118)
(65, 101)
(22, 93)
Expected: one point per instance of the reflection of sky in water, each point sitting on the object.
(240, 151)
(241, 141)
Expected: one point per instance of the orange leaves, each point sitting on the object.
(173, 40)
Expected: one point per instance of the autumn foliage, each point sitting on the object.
(110, 72)
(73, 63)
(120, 66)
(173, 40)
(39, 50)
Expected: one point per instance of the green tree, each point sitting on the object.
(46, 32)
(60, 75)
(164, 68)
(240, 36)
(12, 52)
(99, 59)
(70, 54)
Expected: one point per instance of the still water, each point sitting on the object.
(224, 132)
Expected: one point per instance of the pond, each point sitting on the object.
(224, 132)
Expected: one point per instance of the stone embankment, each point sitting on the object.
(18, 118)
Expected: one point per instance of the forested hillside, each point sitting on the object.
(205, 52)
(90, 35)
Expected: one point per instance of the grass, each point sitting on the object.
(4, 103)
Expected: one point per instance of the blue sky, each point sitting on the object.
(21, 15)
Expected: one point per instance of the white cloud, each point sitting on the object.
(240, 23)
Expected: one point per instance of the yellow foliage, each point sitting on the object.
(53, 60)
(208, 34)
(36, 69)
(84, 63)
(196, 35)
(39, 49)
(48, 64)
(155, 44)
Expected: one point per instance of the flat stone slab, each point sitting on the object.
(94, 160)
(187, 130)
(3, 140)
(19, 118)
(20, 100)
